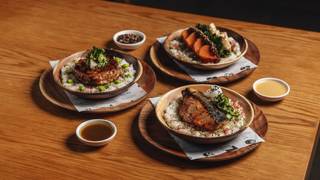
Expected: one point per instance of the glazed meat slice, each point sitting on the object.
(198, 42)
(197, 110)
(97, 76)
(194, 112)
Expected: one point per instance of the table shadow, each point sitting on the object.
(254, 98)
(172, 160)
(73, 144)
(111, 45)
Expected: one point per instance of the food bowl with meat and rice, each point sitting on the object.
(204, 113)
(97, 73)
(206, 47)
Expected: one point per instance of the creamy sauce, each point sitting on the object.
(271, 88)
(96, 132)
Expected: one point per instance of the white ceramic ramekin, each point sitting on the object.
(270, 98)
(129, 46)
(108, 123)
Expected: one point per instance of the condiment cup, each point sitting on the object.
(107, 123)
(129, 46)
(270, 98)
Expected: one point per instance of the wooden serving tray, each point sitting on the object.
(53, 93)
(163, 62)
(152, 131)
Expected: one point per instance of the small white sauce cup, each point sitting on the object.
(103, 142)
(270, 98)
(129, 46)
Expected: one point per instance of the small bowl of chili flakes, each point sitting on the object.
(129, 39)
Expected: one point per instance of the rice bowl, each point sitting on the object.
(206, 47)
(88, 78)
(170, 115)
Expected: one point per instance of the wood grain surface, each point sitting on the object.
(37, 138)
(154, 133)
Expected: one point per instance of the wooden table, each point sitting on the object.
(37, 138)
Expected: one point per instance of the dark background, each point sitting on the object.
(303, 14)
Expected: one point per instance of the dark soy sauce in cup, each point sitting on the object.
(96, 132)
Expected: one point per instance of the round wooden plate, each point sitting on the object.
(163, 62)
(57, 96)
(153, 132)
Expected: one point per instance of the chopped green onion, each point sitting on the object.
(117, 59)
(125, 66)
(116, 81)
(69, 81)
(81, 87)
(101, 58)
(223, 103)
(98, 56)
(127, 75)
(101, 88)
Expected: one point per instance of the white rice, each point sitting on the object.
(174, 122)
(66, 74)
(179, 50)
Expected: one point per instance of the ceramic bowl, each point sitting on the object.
(176, 94)
(103, 142)
(209, 66)
(98, 95)
(270, 98)
(129, 46)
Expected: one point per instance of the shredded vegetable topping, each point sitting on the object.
(217, 40)
(96, 58)
(223, 103)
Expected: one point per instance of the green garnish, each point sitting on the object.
(101, 88)
(98, 56)
(127, 75)
(69, 81)
(81, 87)
(125, 66)
(222, 51)
(116, 81)
(117, 59)
(223, 103)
